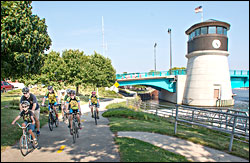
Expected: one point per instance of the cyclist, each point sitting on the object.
(28, 117)
(34, 107)
(73, 105)
(53, 99)
(61, 101)
(65, 98)
(94, 100)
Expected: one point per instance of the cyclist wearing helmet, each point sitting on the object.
(94, 100)
(28, 118)
(53, 99)
(73, 105)
(33, 106)
(61, 101)
(65, 98)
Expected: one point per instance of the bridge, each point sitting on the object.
(167, 79)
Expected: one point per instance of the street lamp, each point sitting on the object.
(169, 32)
(155, 55)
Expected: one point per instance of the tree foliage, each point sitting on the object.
(76, 65)
(101, 72)
(52, 72)
(178, 68)
(24, 38)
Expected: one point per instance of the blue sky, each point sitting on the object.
(132, 27)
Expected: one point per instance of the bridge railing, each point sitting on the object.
(239, 72)
(150, 74)
(244, 73)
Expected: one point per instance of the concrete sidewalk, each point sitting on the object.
(95, 142)
(190, 150)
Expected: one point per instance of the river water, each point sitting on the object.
(241, 100)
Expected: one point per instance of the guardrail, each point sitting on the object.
(173, 72)
(234, 122)
(150, 74)
(239, 72)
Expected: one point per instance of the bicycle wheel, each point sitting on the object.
(24, 145)
(50, 121)
(56, 121)
(95, 116)
(74, 131)
(77, 133)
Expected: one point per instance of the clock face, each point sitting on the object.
(216, 44)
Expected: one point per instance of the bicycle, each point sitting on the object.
(26, 140)
(95, 113)
(52, 120)
(75, 127)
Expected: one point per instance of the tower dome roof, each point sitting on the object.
(209, 22)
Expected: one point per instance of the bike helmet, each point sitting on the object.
(26, 103)
(50, 87)
(68, 91)
(93, 92)
(72, 92)
(25, 90)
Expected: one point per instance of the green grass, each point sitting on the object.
(133, 150)
(124, 119)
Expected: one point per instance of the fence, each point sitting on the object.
(234, 122)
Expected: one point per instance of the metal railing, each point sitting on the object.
(173, 72)
(227, 120)
(150, 74)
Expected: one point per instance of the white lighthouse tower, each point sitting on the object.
(208, 77)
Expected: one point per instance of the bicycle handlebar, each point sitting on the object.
(23, 127)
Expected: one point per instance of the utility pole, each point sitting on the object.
(155, 54)
(103, 45)
(169, 32)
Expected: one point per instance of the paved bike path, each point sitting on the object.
(95, 142)
(190, 150)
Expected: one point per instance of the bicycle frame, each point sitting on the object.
(95, 113)
(75, 127)
(27, 138)
(52, 118)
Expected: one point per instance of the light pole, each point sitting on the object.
(155, 55)
(169, 32)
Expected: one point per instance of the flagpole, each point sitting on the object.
(202, 15)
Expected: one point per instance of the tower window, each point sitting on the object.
(225, 31)
(212, 29)
(203, 30)
(220, 30)
(197, 32)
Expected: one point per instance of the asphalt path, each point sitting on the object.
(95, 142)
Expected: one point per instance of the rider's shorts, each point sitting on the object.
(30, 127)
(94, 104)
(52, 104)
(73, 110)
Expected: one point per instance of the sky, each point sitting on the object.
(131, 29)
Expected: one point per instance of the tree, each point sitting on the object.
(24, 38)
(178, 68)
(101, 73)
(53, 70)
(76, 65)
